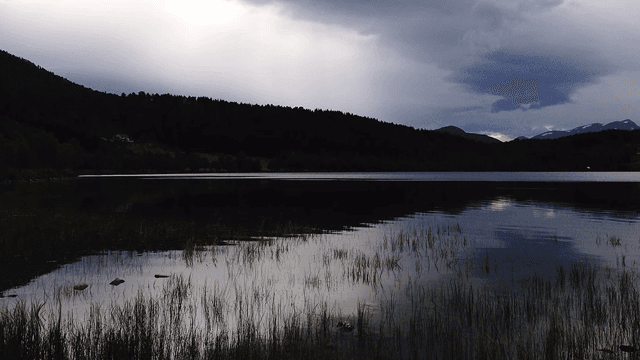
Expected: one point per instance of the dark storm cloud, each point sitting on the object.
(518, 91)
(468, 38)
(337, 9)
(420, 25)
(523, 77)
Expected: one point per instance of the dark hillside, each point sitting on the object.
(476, 137)
(31, 94)
(48, 122)
(292, 136)
(610, 150)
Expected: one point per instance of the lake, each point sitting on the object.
(382, 251)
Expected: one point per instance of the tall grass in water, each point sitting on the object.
(168, 327)
(583, 309)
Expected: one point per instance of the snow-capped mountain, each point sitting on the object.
(619, 125)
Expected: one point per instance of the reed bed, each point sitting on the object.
(585, 311)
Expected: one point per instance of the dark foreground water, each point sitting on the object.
(521, 224)
(490, 227)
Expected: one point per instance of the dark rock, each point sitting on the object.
(116, 282)
(627, 348)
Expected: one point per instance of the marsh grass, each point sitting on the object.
(582, 309)
(614, 240)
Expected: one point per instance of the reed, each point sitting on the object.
(574, 314)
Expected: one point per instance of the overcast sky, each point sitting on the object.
(505, 68)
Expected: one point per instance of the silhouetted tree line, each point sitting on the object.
(72, 120)
(23, 146)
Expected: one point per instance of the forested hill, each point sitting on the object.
(49, 122)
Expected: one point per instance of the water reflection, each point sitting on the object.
(549, 213)
(385, 249)
(404, 176)
(517, 240)
(560, 211)
(499, 204)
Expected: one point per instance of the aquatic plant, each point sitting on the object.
(584, 311)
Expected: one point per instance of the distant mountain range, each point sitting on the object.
(452, 130)
(595, 127)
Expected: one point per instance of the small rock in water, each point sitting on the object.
(345, 327)
(627, 348)
(116, 282)
(158, 276)
(80, 286)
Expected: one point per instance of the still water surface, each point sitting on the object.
(409, 176)
(513, 224)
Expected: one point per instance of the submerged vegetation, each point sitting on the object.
(430, 300)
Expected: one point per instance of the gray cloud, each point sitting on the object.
(417, 27)
(483, 45)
